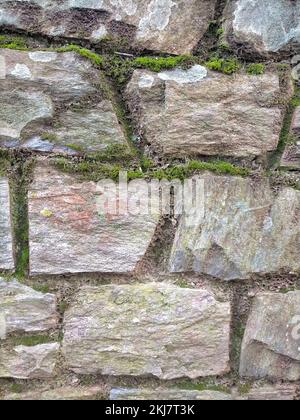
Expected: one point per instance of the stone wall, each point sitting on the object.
(150, 306)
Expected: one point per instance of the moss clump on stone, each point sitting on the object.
(157, 64)
(12, 42)
(223, 65)
(30, 341)
(256, 69)
(84, 52)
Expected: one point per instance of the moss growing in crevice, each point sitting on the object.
(285, 135)
(21, 174)
(88, 169)
(95, 58)
(32, 340)
(13, 42)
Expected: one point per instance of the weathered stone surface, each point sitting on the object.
(271, 345)
(161, 25)
(23, 309)
(51, 102)
(60, 394)
(291, 155)
(245, 229)
(6, 247)
(266, 26)
(37, 362)
(272, 393)
(195, 112)
(67, 234)
(167, 394)
(156, 329)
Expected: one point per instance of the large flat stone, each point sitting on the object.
(67, 234)
(51, 102)
(197, 112)
(264, 26)
(6, 244)
(150, 329)
(161, 25)
(37, 362)
(167, 394)
(245, 229)
(23, 309)
(271, 344)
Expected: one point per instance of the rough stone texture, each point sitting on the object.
(195, 112)
(167, 394)
(271, 344)
(23, 309)
(245, 229)
(156, 329)
(161, 25)
(279, 392)
(6, 247)
(37, 362)
(68, 235)
(265, 26)
(291, 156)
(60, 394)
(51, 102)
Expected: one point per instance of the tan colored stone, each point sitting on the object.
(167, 394)
(147, 329)
(60, 394)
(196, 112)
(69, 234)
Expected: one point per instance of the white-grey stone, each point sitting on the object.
(23, 309)
(36, 362)
(6, 243)
(167, 394)
(271, 344)
(264, 25)
(240, 228)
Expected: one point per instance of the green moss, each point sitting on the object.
(12, 42)
(43, 288)
(157, 64)
(115, 153)
(16, 388)
(30, 341)
(146, 163)
(51, 137)
(285, 135)
(205, 385)
(119, 69)
(75, 147)
(256, 69)
(90, 55)
(222, 65)
(244, 388)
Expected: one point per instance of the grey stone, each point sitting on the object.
(197, 112)
(271, 344)
(240, 229)
(6, 244)
(69, 234)
(291, 155)
(147, 329)
(265, 26)
(167, 394)
(51, 102)
(278, 392)
(23, 309)
(37, 362)
(161, 25)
